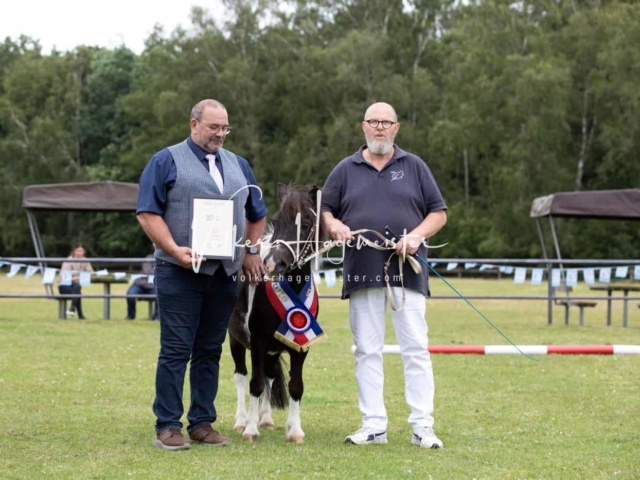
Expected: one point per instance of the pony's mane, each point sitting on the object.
(297, 200)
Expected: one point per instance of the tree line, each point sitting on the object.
(504, 100)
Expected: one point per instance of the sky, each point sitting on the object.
(65, 24)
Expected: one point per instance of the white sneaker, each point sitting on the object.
(70, 313)
(426, 438)
(365, 436)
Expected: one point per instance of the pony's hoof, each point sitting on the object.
(249, 438)
(238, 428)
(296, 439)
(266, 425)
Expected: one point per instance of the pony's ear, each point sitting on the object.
(282, 191)
(313, 192)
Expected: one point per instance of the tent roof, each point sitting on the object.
(611, 204)
(89, 196)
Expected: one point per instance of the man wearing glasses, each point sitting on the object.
(195, 307)
(383, 186)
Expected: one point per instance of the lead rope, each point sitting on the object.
(417, 268)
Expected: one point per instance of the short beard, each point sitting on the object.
(379, 147)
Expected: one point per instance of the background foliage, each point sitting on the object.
(505, 100)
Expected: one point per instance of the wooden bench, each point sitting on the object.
(575, 303)
(62, 305)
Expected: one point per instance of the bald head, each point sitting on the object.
(196, 111)
(381, 110)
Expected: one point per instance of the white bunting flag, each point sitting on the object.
(555, 277)
(66, 277)
(31, 270)
(536, 276)
(48, 276)
(605, 275)
(622, 272)
(85, 279)
(589, 276)
(14, 269)
(572, 277)
(520, 275)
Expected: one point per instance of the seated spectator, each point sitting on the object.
(141, 286)
(74, 289)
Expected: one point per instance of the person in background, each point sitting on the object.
(75, 288)
(141, 286)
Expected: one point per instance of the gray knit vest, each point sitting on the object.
(195, 181)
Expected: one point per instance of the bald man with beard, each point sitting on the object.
(378, 186)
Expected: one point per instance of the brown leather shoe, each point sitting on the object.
(172, 439)
(208, 436)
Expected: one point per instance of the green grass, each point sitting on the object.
(75, 399)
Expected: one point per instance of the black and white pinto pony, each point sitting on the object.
(254, 320)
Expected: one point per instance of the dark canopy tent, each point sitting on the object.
(597, 204)
(611, 204)
(76, 197)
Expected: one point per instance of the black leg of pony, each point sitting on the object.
(296, 389)
(238, 353)
(275, 373)
(296, 384)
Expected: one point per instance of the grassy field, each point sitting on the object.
(75, 399)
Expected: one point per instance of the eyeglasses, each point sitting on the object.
(385, 123)
(226, 129)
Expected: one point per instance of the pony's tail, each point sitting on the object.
(279, 392)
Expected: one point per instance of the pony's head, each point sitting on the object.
(285, 253)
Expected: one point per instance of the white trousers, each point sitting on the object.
(367, 316)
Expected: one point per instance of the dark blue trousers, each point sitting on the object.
(131, 301)
(194, 314)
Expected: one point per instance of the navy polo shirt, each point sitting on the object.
(159, 176)
(401, 195)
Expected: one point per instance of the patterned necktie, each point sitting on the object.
(215, 172)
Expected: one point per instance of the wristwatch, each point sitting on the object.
(252, 250)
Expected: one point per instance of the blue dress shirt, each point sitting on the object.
(160, 174)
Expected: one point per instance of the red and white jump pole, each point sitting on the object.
(528, 349)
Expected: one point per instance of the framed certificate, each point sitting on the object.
(213, 227)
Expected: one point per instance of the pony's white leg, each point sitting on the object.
(294, 427)
(241, 410)
(251, 433)
(266, 421)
